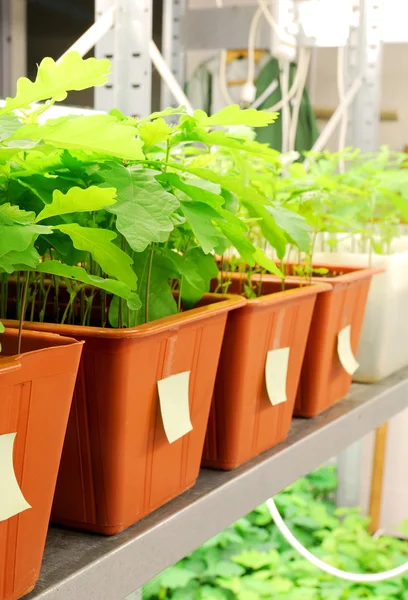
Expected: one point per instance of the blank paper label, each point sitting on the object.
(12, 501)
(174, 405)
(346, 356)
(276, 372)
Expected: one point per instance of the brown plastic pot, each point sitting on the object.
(117, 465)
(36, 389)
(324, 381)
(243, 422)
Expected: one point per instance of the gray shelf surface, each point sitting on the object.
(80, 566)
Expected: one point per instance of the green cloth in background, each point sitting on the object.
(203, 91)
(307, 131)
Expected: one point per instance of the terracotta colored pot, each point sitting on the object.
(35, 397)
(243, 422)
(324, 381)
(117, 465)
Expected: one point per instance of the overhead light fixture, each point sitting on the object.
(323, 23)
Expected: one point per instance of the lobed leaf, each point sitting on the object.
(55, 80)
(78, 200)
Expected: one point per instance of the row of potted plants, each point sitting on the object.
(170, 256)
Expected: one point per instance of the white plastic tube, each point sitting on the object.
(298, 102)
(92, 35)
(341, 93)
(354, 577)
(292, 92)
(337, 115)
(249, 90)
(223, 78)
(168, 77)
(286, 117)
(275, 27)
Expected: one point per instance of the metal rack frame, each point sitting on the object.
(80, 566)
(76, 564)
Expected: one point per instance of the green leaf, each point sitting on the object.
(220, 138)
(161, 300)
(54, 267)
(281, 585)
(234, 115)
(236, 232)
(200, 217)
(267, 263)
(176, 577)
(226, 568)
(78, 200)
(204, 268)
(19, 237)
(212, 593)
(270, 230)
(54, 80)
(102, 134)
(294, 225)
(251, 559)
(8, 125)
(143, 208)
(193, 190)
(2, 330)
(154, 132)
(18, 261)
(167, 112)
(98, 242)
(12, 148)
(10, 214)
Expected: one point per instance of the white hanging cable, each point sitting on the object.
(223, 69)
(223, 78)
(274, 84)
(342, 92)
(291, 93)
(275, 27)
(354, 577)
(284, 84)
(248, 93)
(298, 101)
(167, 76)
(92, 35)
(337, 115)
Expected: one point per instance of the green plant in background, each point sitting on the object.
(251, 560)
(367, 201)
(115, 213)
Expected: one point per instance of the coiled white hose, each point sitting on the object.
(354, 577)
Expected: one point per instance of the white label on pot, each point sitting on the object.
(344, 351)
(276, 372)
(12, 501)
(174, 405)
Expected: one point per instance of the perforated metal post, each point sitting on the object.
(12, 44)
(4, 49)
(364, 57)
(364, 54)
(172, 48)
(129, 87)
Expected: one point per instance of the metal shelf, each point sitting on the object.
(79, 566)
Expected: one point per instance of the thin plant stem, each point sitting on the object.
(67, 308)
(149, 275)
(89, 307)
(33, 301)
(22, 311)
(44, 306)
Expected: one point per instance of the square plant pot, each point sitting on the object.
(382, 349)
(324, 380)
(36, 390)
(117, 464)
(247, 415)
